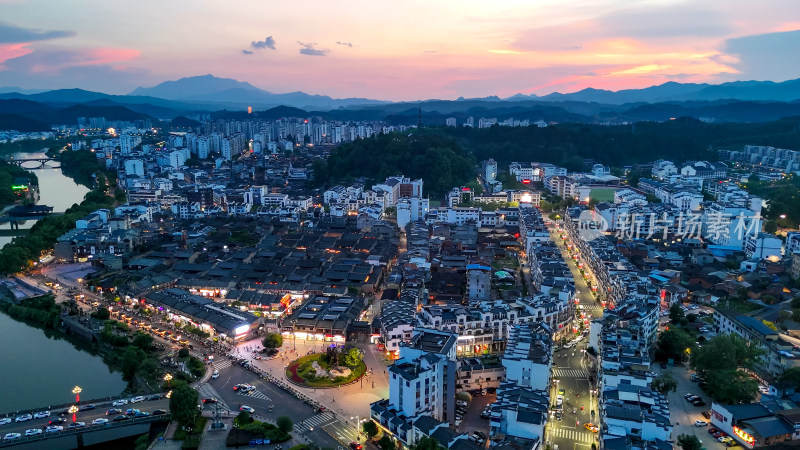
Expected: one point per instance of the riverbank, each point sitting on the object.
(43, 314)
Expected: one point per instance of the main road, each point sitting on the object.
(572, 371)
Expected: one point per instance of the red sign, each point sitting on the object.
(526, 181)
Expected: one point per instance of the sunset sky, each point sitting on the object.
(405, 50)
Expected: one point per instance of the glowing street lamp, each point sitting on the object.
(73, 410)
(77, 391)
(167, 378)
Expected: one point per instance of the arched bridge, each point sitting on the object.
(41, 161)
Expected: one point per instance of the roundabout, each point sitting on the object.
(321, 370)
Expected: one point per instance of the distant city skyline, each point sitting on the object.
(408, 51)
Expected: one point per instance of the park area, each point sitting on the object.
(335, 367)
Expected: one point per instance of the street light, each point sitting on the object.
(73, 410)
(167, 378)
(77, 391)
(294, 333)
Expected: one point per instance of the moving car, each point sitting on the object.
(121, 402)
(41, 414)
(57, 421)
(37, 431)
(53, 429)
(215, 375)
(23, 418)
(700, 423)
(591, 427)
(211, 400)
(11, 436)
(159, 412)
(113, 411)
(131, 412)
(75, 425)
(249, 409)
(100, 421)
(356, 446)
(121, 418)
(141, 414)
(5, 420)
(88, 407)
(137, 399)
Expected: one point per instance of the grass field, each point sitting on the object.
(602, 194)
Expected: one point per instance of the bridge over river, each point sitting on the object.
(41, 163)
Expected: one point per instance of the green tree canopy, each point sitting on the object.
(352, 357)
(664, 383)
(676, 314)
(284, 423)
(791, 377)
(272, 341)
(689, 442)
(672, 344)
(386, 443)
(427, 443)
(183, 405)
(719, 363)
(370, 429)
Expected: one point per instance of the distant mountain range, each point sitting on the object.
(208, 88)
(741, 101)
(673, 91)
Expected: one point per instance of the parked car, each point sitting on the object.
(707, 414)
(695, 377)
(698, 402)
(712, 430)
(700, 423)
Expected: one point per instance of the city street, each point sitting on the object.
(571, 370)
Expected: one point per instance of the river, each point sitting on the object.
(39, 368)
(55, 189)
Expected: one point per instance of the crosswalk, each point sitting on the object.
(256, 394)
(317, 421)
(222, 364)
(208, 391)
(571, 373)
(592, 308)
(572, 434)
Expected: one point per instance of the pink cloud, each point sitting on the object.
(108, 55)
(11, 51)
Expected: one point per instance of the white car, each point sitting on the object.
(53, 429)
(33, 432)
(12, 436)
(249, 409)
(100, 421)
(41, 414)
(137, 399)
(120, 402)
(5, 420)
(23, 418)
(559, 400)
(700, 423)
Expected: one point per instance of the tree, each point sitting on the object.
(102, 314)
(771, 226)
(183, 352)
(352, 357)
(791, 376)
(150, 369)
(633, 177)
(130, 360)
(243, 419)
(427, 443)
(143, 340)
(796, 303)
(676, 314)
(370, 429)
(719, 363)
(673, 344)
(692, 317)
(272, 341)
(386, 443)
(664, 383)
(284, 423)
(689, 442)
(183, 405)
